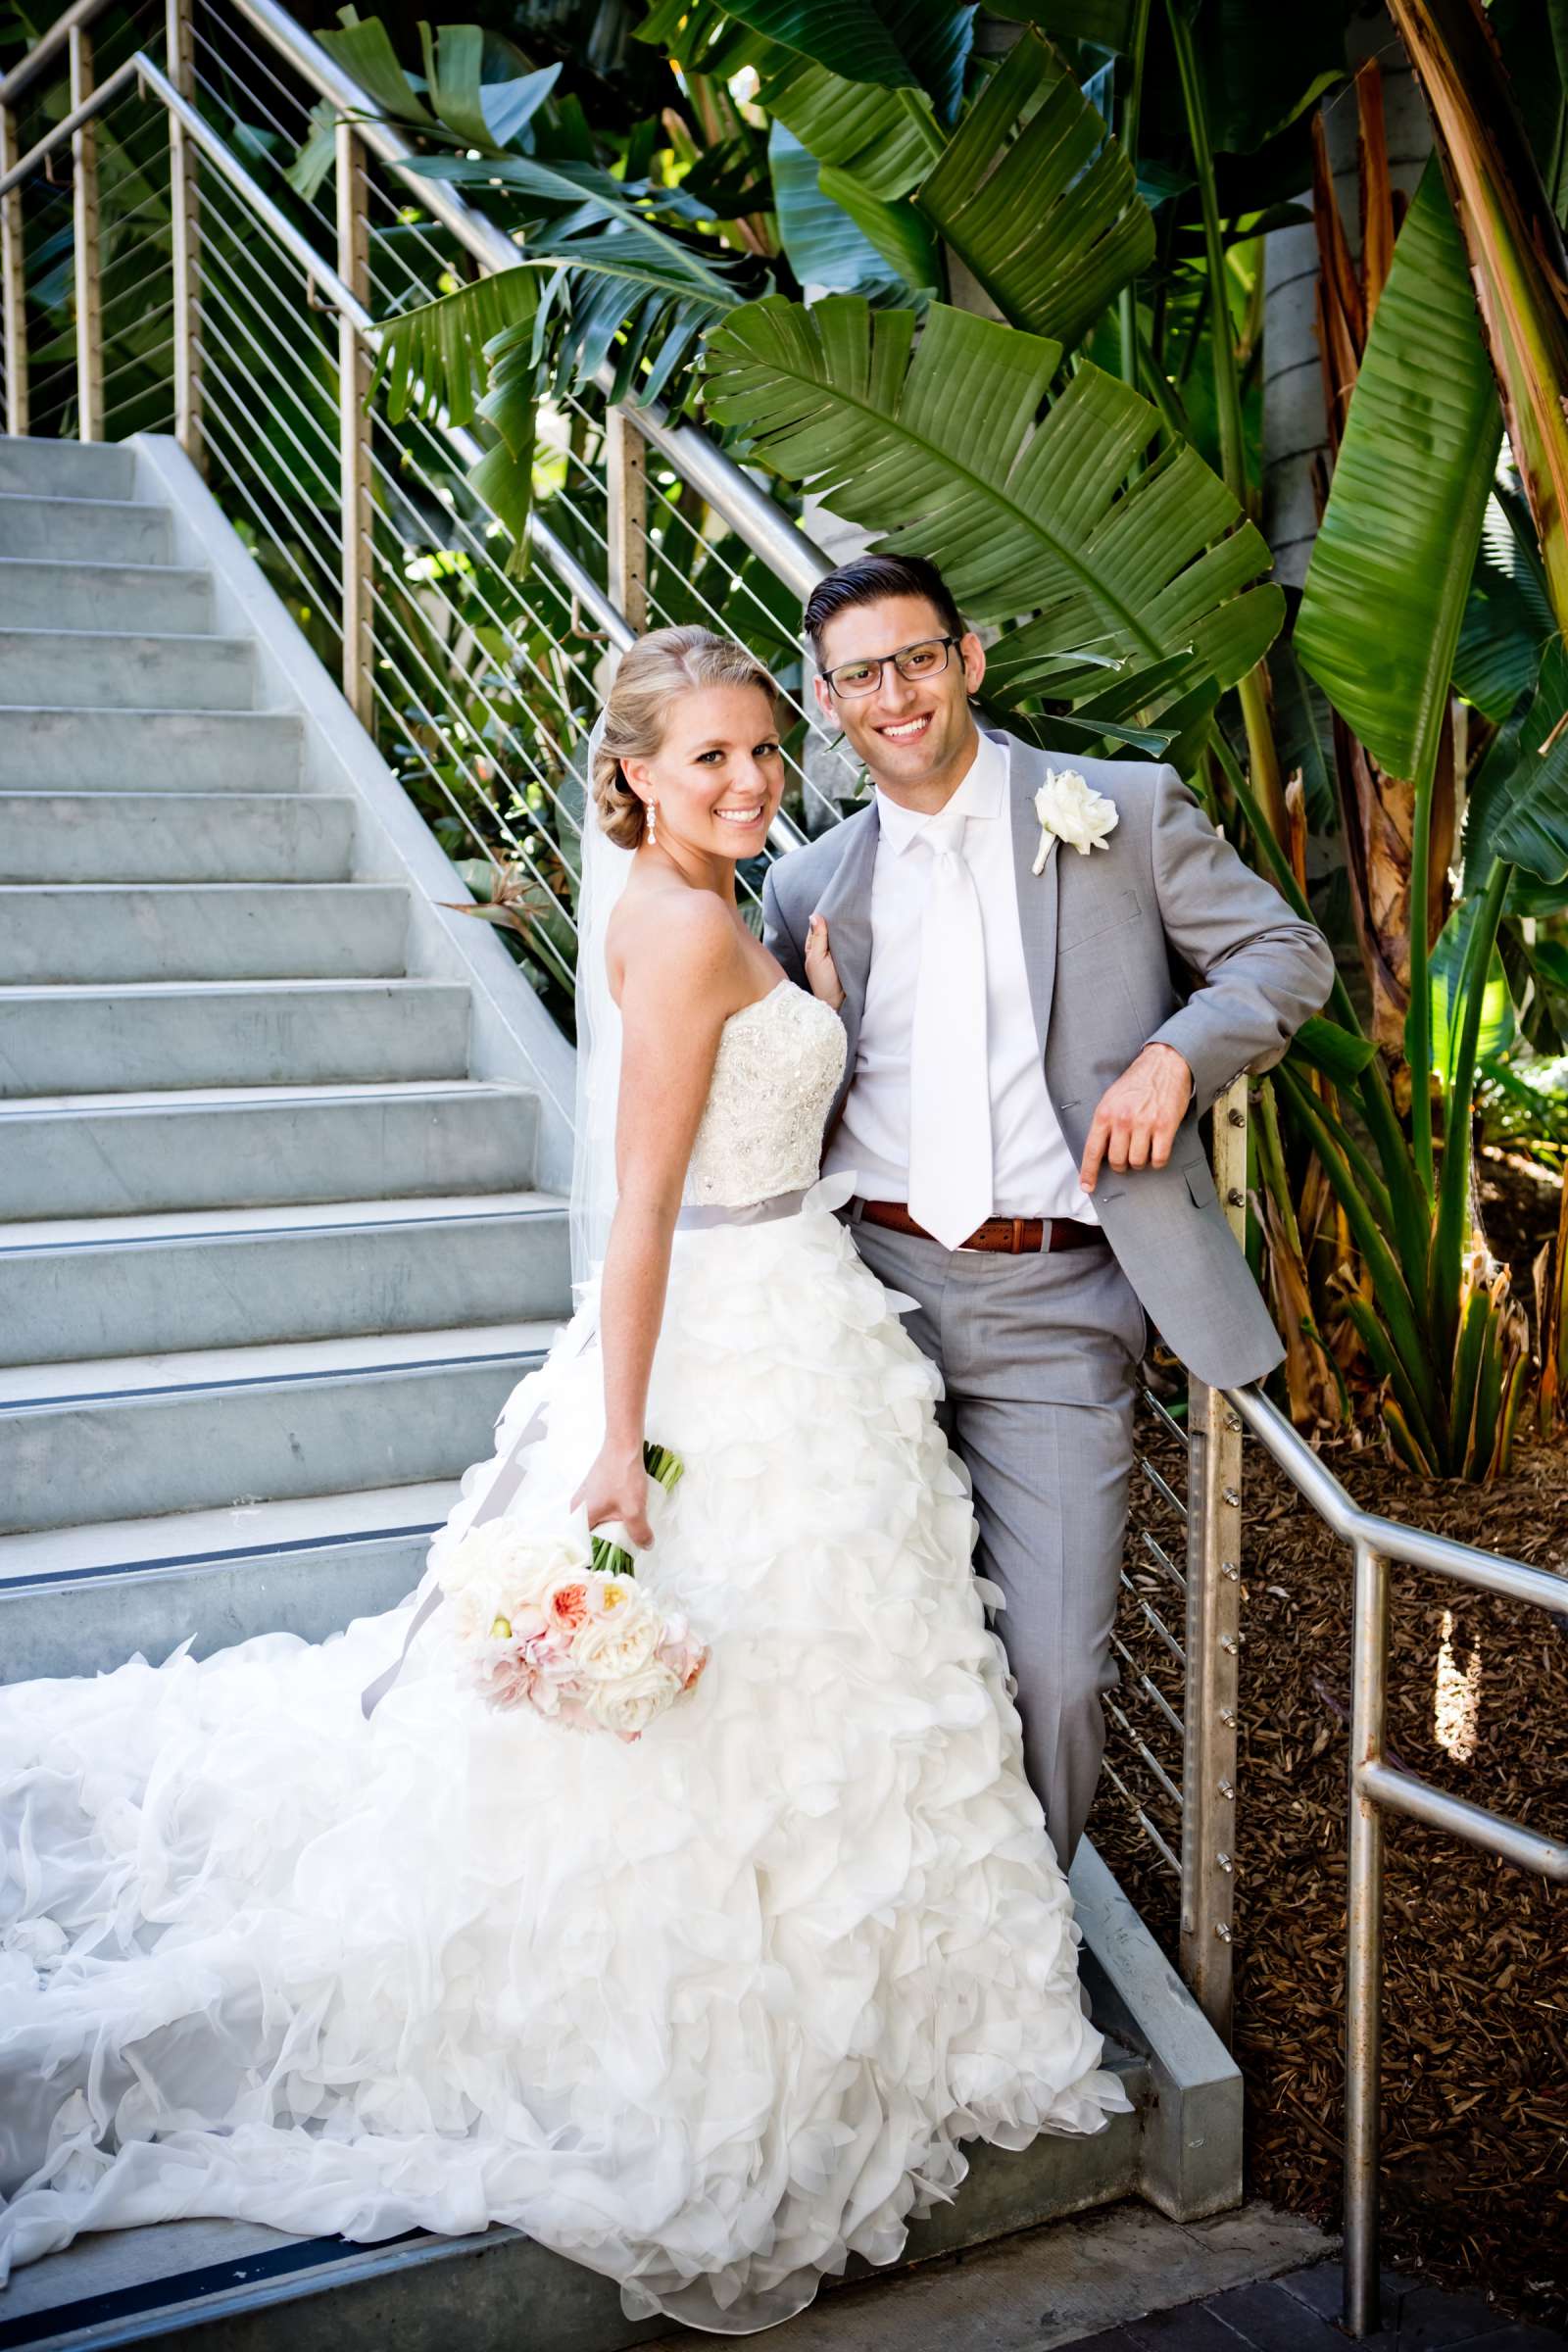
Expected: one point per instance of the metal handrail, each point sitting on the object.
(1377, 1786)
(149, 77)
(698, 460)
(48, 45)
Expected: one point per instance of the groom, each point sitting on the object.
(1020, 1103)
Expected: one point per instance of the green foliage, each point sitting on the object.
(1040, 203)
(1390, 568)
(943, 445)
(823, 239)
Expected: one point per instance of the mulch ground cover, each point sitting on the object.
(1475, 2153)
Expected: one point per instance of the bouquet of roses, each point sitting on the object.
(543, 1621)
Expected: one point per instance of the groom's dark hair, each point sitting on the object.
(866, 579)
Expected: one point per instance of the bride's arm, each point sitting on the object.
(681, 981)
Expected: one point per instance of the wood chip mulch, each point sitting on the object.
(1475, 2155)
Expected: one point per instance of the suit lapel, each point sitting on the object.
(1036, 893)
(846, 907)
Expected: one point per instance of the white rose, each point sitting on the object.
(503, 1552)
(628, 1706)
(619, 1645)
(488, 1611)
(1071, 810)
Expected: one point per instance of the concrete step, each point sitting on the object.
(77, 1288)
(139, 1436)
(241, 2288)
(113, 1155)
(50, 749)
(103, 670)
(103, 595)
(82, 1599)
(90, 531)
(244, 1033)
(66, 469)
(175, 836)
(83, 933)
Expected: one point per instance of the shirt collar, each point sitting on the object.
(982, 794)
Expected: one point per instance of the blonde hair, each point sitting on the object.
(658, 668)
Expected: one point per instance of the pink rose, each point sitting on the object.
(510, 1680)
(569, 1604)
(684, 1656)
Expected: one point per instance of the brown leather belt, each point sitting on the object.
(1019, 1236)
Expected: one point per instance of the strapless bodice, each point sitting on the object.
(779, 1063)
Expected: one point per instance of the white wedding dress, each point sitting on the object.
(707, 2012)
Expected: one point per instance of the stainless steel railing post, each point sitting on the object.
(626, 482)
(184, 236)
(357, 505)
(1363, 1953)
(89, 281)
(14, 277)
(1209, 1705)
(1213, 1639)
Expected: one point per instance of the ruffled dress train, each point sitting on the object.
(707, 2012)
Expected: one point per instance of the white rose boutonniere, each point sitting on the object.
(1071, 810)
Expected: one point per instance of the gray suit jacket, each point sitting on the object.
(1098, 934)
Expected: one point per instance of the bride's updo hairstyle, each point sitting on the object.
(658, 668)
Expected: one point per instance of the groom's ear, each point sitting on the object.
(974, 655)
(824, 695)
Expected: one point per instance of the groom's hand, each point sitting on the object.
(1136, 1118)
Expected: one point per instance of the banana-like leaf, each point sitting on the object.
(895, 230)
(1508, 616)
(1534, 831)
(1039, 199)
(882, 142)
(895, 44)
(473, 109)
(454, 60)
(1338, 1053)
(944, 448)
(1108, 23)
(314, 165)
(1519, 805)
(883, 139)
(433, 357)
(1514, 246)
(1386, 588)
(599, 196)
(825, 245)
(851, 42)
(362, 47)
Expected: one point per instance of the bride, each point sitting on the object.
(300, 1937)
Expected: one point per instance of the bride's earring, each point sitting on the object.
(653, 811)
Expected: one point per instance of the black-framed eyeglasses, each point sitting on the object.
(920, 661)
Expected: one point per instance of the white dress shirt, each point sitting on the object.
(1034, 1173)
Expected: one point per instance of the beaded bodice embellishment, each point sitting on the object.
(779, 1063)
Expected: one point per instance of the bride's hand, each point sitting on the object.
(819, 966)
(616, 1488)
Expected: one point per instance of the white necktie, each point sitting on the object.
(949, 1081)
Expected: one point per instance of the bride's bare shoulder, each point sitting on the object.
(665, 938)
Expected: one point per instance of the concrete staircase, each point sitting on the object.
(269, 1257)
